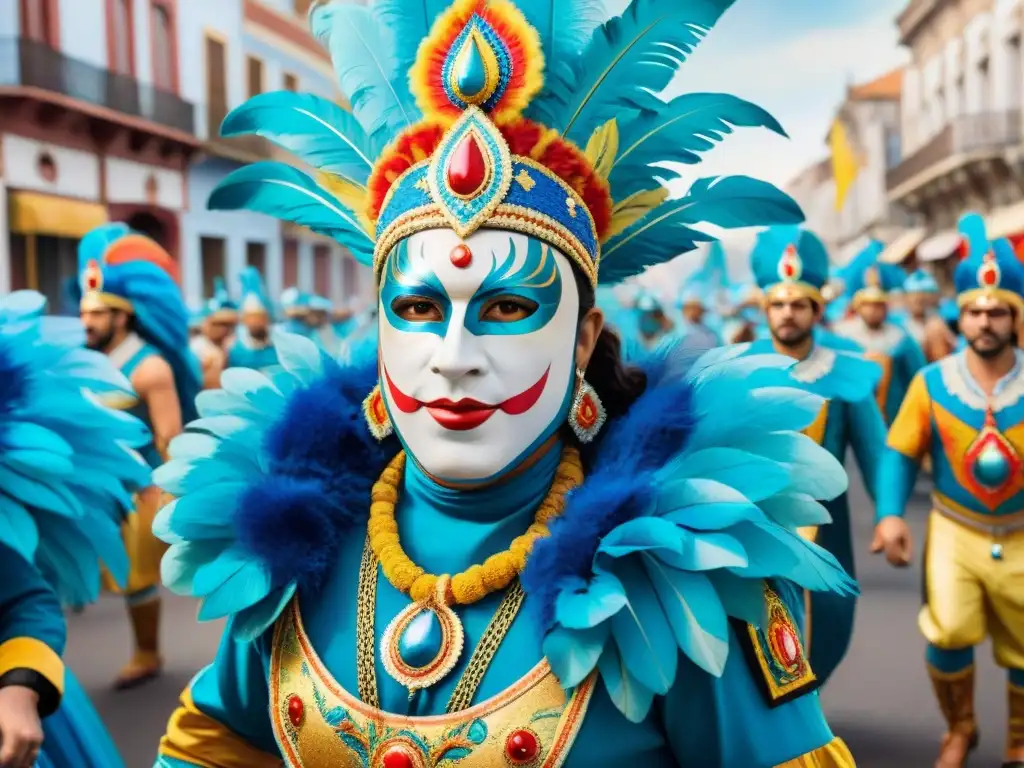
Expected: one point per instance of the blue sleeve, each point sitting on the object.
(867, 437)
(897, 474)
(912, 358)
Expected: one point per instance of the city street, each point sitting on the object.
(880, 700)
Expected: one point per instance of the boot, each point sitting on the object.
(146, 663)
(1015, 727)
(955, 694)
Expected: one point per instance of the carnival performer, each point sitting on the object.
(966, 412)
(253, 347)
(513, 487)
(295, 306)
(882, 340)
(651, 322)
(923, 321)
(66, 469)
(790, 265)
(321, 330)
(133, 311)
(219, 323)
(693, 327)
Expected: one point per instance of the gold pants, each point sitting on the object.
(144, 549)
(971, 594)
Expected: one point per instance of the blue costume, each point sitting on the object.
(697, 335)
(221, 309)
(247, 352)
(295, 307)
(790, 261)
(630, 595)
(66, 472)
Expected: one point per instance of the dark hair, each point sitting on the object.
(617, 383)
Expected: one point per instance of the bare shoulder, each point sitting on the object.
(152, 373)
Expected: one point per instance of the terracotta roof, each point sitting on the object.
(887, 87)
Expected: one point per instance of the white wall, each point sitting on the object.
(127, 181)
(78, 173)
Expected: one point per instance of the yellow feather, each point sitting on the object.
(602, 148)
(349, 194)
(633, 208)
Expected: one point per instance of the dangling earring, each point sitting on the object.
(587, 414)
(376, 414)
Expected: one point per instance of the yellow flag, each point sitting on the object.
(845, 163)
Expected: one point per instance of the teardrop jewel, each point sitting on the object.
(467, 167)
(471, 70)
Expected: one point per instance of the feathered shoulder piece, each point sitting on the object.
(66, 462)
(691, 504)
(836, 369)
(539, 116)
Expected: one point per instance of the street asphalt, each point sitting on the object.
(879, 700)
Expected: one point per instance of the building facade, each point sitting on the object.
(110, 109)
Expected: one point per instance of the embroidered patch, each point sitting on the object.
(776, 654)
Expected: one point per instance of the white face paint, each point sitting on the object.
(477, 348)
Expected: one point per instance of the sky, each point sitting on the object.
(795, 58)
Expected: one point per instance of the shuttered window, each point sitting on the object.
(322, 269)
(216, 86)
(254, 73)
(290, 278)
(211, 252)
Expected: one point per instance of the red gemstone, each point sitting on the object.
(467, 169)
(988, 276)
(461, 256)
(397, 757)
(521, 747)
(296, 710)
(587, 413)
(787, 269)
(786, 642)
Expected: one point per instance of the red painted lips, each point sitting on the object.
(467, 413)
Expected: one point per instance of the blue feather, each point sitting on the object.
(628, 57)
(678, 132)
(581, 605)
(368, 69)
(407, 23)
(565, 26)
(315, 130)
(18, 528)
(731, 201)
(287, 193)
(252, 622)
(573, 653)
(628, 694)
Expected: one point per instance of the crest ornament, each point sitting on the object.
(989, 274)
(790, 266)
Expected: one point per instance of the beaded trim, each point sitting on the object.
(815, 366)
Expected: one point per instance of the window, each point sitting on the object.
(291, 82)
(349, 276)
(216, 86)
(211, 253)
(254, 75)
(302, 6)
(290, 277)
(164, 62)
(322, 269)
(893, 148)
(256, 256)
(120, 29)
(38, 21)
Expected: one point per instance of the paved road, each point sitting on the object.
(880, 701)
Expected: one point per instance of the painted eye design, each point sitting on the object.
(507, 309)
(417, 309)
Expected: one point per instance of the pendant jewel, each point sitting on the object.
(422, 645)
(992, 462)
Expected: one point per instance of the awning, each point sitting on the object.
(34, 213)
(940, 246)
(898, 250)
(1005, 221)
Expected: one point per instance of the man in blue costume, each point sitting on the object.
(692, 305)
(557, 559)
(66, 471)
(882, 340)
(219, 321)
(295, 307)
(253, 347)
(791, 268)
(966, 412)
(132, 311)
(651, 322)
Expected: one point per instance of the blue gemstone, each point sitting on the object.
(997, 551)
(421, 641)
(992, 467)
(471, 72)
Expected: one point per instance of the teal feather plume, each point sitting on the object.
(565, 26)
(407, 23)
(314, 129)
(678, 132)
(368, 70)
(729, 202)
(628, 57)
(287, 193)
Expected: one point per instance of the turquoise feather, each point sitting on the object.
(573, 653)
(287, 193)
(705, 552)
(18, 528)
(678, 132)
(315, 130)
(628, 695)
(582, 605)
(407, 23)
(254, 621)
(565, 26)
(628, 57)
(756, 477)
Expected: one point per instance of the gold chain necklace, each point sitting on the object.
(430, 615)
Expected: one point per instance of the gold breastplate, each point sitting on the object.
(318, 724)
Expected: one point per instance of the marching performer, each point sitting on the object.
(321, 330)
(132, 310)
(545, 545)
(692, 305)
(791, 268)
(923, 321)
(66, 470)
(295, 306)
(220, 319)
(253, 347)
(650, 321)
(966, 412)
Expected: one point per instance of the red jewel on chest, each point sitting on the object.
(296, 710)
(786, 643)
(461, 256)
(521, 747)
(397, 757)
(467, 169)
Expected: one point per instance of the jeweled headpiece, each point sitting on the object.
(990, 271)
(536, 118)
(789, 261)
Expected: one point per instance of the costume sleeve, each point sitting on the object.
(32, 631)
(908, 442)
(867, 437)
(912, 357)
(222, 720)
(744, 717)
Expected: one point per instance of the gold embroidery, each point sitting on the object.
(423, 184)
(571, 205)
(525, 180)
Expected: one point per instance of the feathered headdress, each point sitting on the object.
(254, 297)
(990, 270)
(790, 260)
(540, 117)
(122, 269)
(221, 307)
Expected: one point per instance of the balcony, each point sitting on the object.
(27, 64)
(964, 140)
